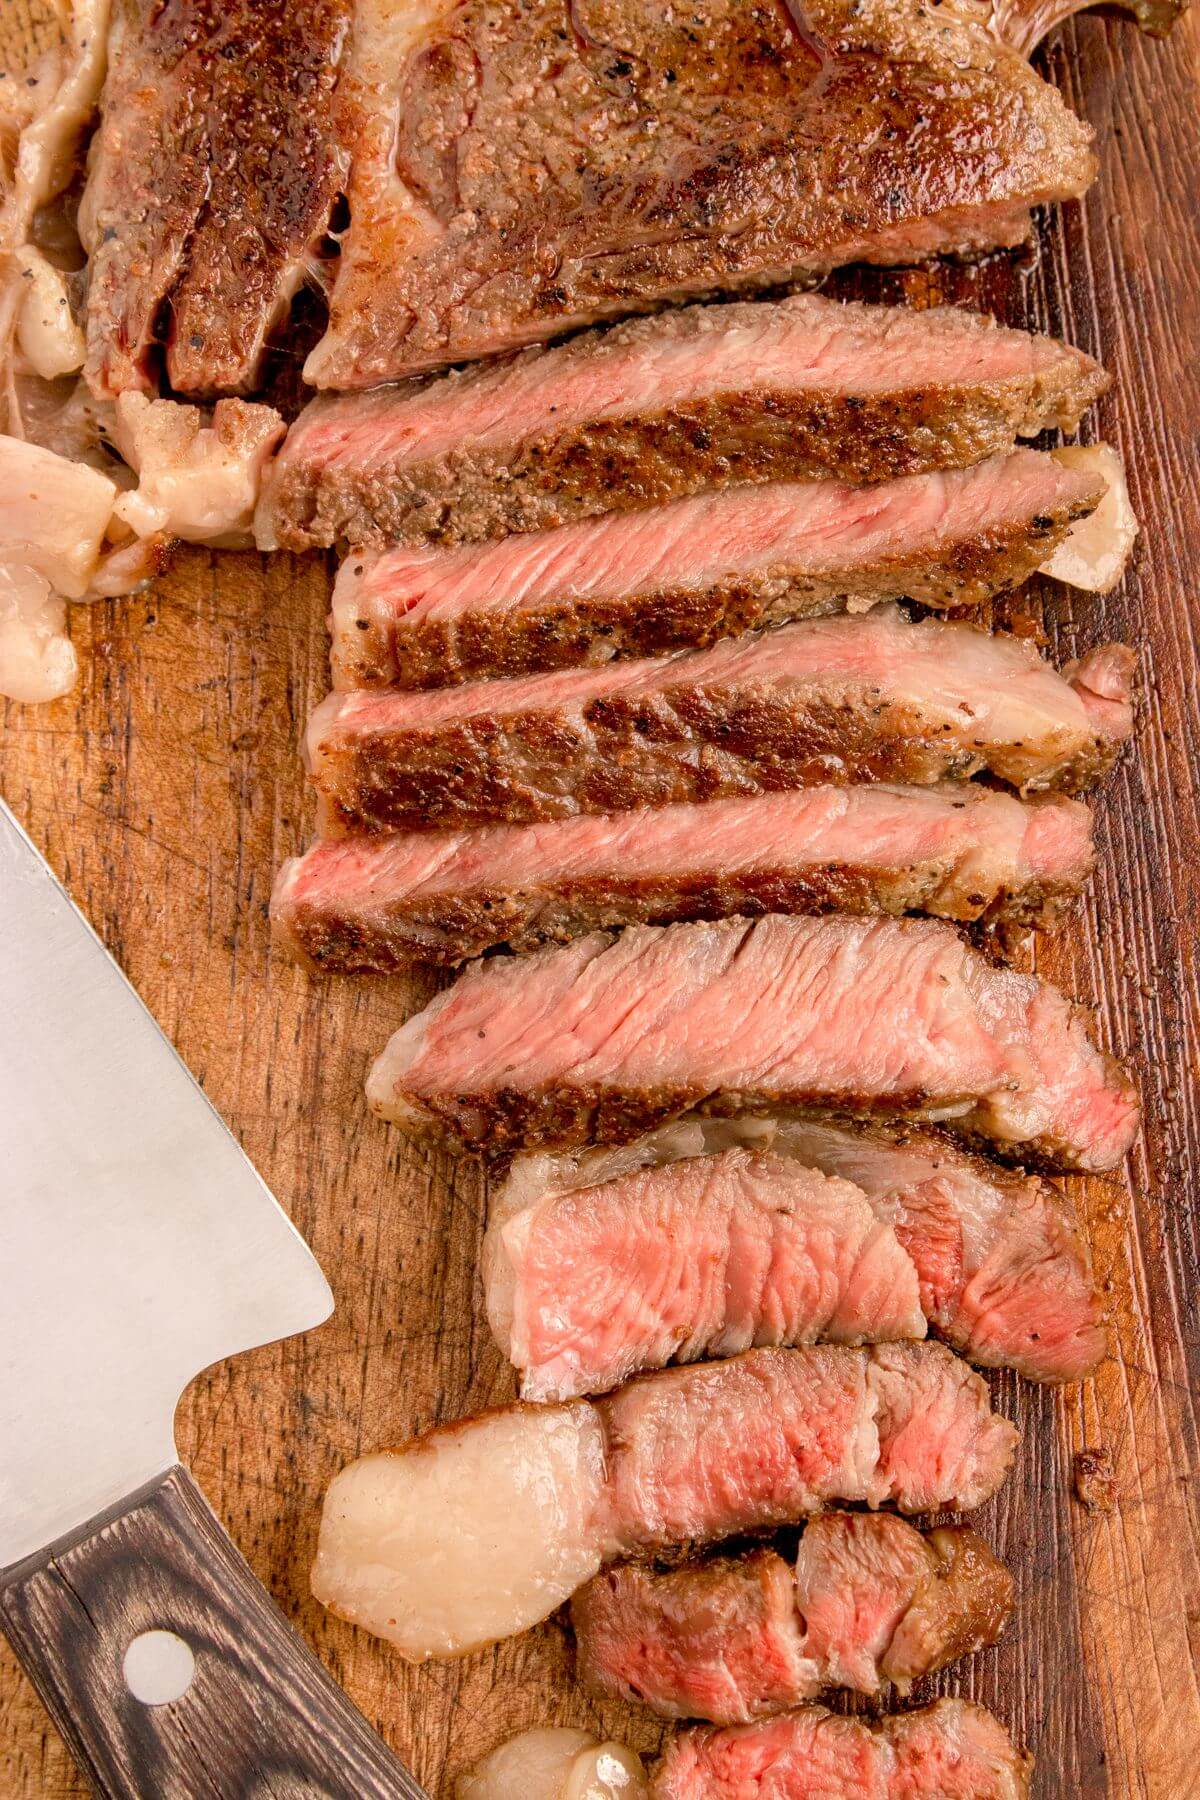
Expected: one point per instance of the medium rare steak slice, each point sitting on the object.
(480, 1529)
(952, 1750)
(526, 167)
(211, 181)
(1003, 1269)
(829, 700)
(606, 1037)
(958, 850)
(708, 1257)
(789, 389)
(731, 1639)
(598, 1266)
(699, 569)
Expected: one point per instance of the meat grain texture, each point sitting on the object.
(869, 1602)
(957, 851)
(710, 1236)
(526, 168)
(605, 1038)
(827, 700)
(952, 1750)
(797, 389)
(729, 560)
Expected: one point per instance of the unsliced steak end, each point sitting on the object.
(604, 1038)
(952, 1750)
(734, 1639)
(794, 389)
(517, 175)
(829, 700)
(686, 574)
(958, 851)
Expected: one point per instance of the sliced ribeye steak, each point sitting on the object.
(844, 699)
(480, 1529)
(211, 182)
(731, 1639)
(608, 1037)
(524, 167)
(705, 1257)
(958, 850)
(792, 389)
(699, 569)
(952, 1750)
(712, 1235)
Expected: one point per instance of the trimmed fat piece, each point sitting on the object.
(841, 699)
(791, 389)
(480, 1529)
(598, 1266)
(555, 1763)
(708, 1257)
(730, 1639)
(1002, 1266)
(700, 569)
(958, 851)
(522, 169)
(607, 1037)
(952, 1750)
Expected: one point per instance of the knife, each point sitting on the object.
(137, 1246)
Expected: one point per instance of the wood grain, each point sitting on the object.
(166, 790)
(260, 1714)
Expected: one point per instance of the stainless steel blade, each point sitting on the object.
(137, 1243)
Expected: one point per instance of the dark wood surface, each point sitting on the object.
(260, 1714)
(166, 790)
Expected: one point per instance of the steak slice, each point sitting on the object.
(792, 389)
(707, 1257)
(480, 1529)
(731, 1639)
(952, 1750)
(212, 178)
(606, 1037)
(838, 700)
(699, 569)
(958, 850)
(712, 1235)
(525, 167)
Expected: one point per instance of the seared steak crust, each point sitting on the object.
(963, 852)
(606, 1038)
(730, 1639)
(526, 167)
(797, 389)
(697, 570)
(213, 175)
(908, 703)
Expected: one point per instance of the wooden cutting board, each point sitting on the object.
(166, 790)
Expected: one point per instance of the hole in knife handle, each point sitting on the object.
(158, 1668)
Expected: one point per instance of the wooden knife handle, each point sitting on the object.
(261, 1716)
